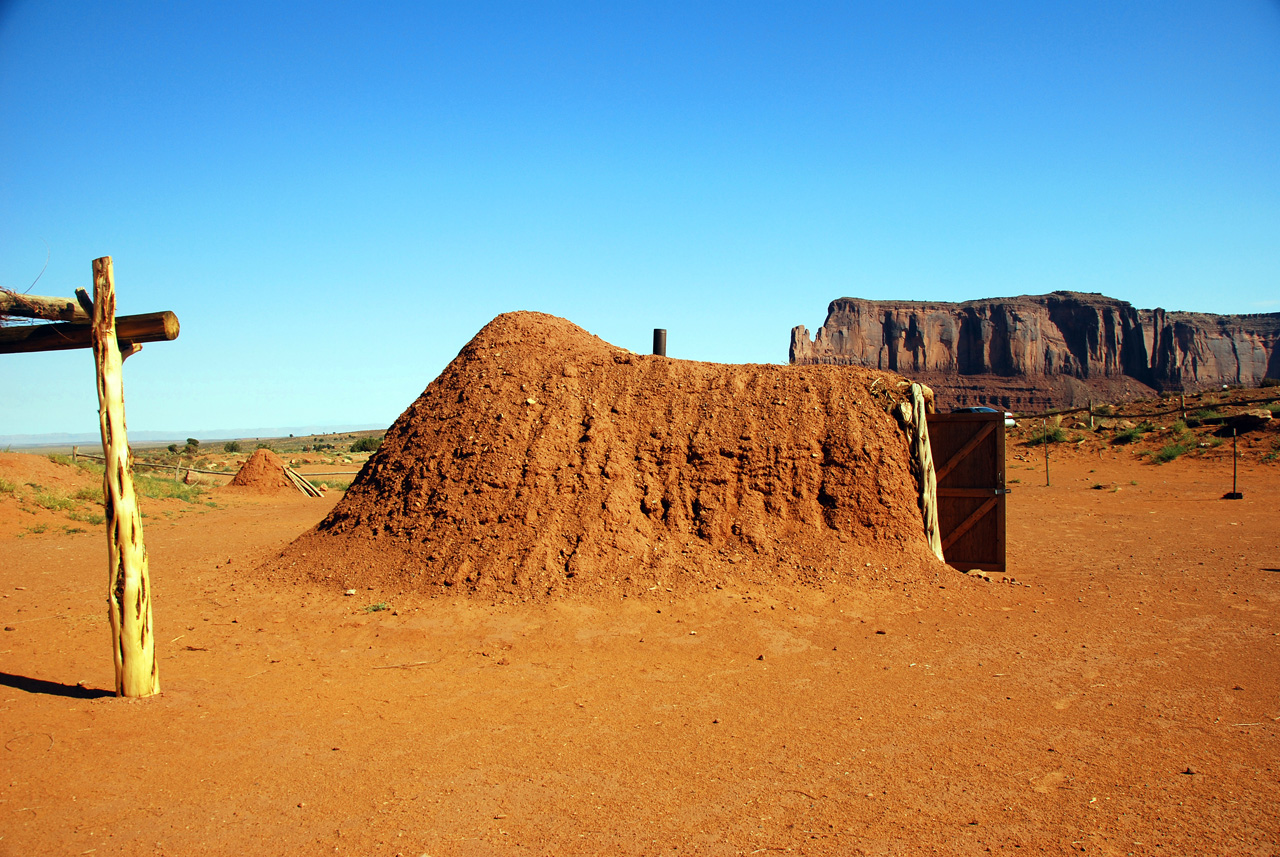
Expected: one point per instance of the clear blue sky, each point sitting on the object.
(334, 197)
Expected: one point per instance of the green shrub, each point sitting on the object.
(1271, 382)
(60, 459)
(1199, 417)
(1171, 451)
(160, 487)
(231, 446)
(7, 487)
(1127, 436)
(1047, 434)
(378, 607)
(89, 495)
(366, 444)
(1103, 411)
(87, 518)
(52, 501)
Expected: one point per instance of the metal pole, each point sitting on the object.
(660, 341)
(1235, 488)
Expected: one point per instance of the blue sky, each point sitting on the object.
(335, 197)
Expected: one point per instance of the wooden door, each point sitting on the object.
(968, 456)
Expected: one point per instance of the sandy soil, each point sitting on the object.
(1121, 698)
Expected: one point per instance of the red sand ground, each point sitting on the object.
(1122, 701)
(544, 461)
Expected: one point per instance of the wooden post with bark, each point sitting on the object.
(129, 593)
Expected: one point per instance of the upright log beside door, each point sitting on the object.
(129, 595)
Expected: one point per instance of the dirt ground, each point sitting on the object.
(1120, 698)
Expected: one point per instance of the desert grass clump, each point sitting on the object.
(53, 501)
(1170, 451)
(160, 488)
(1047, 434)
(7, 487)
(1182, 442)
(1129, 435)
(89, 495)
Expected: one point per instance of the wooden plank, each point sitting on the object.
(969, 447)
(969, 522)
(130, 329)
(971, 492)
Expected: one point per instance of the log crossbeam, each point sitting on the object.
(131, 330)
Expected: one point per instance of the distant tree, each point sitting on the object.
(173, 447)
(192, 442)
(366, 444)
(231, 446)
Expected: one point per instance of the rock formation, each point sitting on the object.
(1050, 350)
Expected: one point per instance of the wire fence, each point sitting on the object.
(1097, 410)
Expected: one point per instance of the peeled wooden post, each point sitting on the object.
(922, 453)
(129, 595)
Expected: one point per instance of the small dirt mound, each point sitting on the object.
(264, 473)
(545, 461)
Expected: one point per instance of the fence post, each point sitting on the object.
(129, 593)
(1044, 441)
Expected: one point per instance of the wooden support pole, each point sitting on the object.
(148, 327)
(129, 593)
(1044, 441)
(35, 306)
(922, 453)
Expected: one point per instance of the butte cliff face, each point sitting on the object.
(1049, 350)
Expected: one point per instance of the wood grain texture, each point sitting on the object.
(129, 592)
(130, 329)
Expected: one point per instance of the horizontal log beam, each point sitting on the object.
(35, 306)
(130, 329)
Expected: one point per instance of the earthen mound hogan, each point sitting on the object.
(263, 473)
(544, 461)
